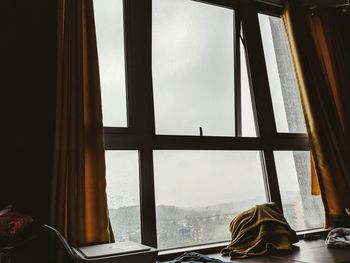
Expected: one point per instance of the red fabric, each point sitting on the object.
(11, 222)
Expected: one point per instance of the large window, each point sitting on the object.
(202, 119)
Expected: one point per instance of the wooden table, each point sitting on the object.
(314, 251)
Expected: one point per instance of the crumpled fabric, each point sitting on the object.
(338, 237)
(193, 257)
(260, 230)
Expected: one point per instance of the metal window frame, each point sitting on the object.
(140, 135)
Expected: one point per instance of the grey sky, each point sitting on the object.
(193, 86)
(110, 45)
(193, 78)
(205, 178)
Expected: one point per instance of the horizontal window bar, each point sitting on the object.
(117, 130)
(220, 3)
(163, 142)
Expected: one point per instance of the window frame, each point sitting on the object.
(140, 133)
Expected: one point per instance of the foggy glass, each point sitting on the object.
(198, 193)
(248, 120)
(301, 209)
(283, 86)
(123, 195)
(110, 47)
(193, 69)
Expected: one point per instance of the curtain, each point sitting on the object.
(321, 62)
(79, 203)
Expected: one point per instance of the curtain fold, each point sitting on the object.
(322, 69)
(78, 200)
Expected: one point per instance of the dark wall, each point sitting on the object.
(28, 66)
(344, 20)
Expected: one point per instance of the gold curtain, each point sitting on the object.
(79, 203)
(322, 69)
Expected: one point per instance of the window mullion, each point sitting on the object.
(237, 88)
(261, 96)
(139, 17)
(147, 194)
(257, 72)
(128, 68)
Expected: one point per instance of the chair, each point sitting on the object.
(53, 248)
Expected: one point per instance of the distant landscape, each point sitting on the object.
(182, 226)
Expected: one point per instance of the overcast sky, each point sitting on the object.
(193, 87)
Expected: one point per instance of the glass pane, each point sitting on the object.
(198, 193)
(283, 86)
(193, 68)
(110, 46)
(302, 210)
(122, 175)
(248, 120)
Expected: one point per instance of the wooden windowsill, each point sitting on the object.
(214, 249)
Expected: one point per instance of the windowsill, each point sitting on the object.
(168, 254)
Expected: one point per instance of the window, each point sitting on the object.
(247, 114)
(199, 192)
(285, 96)
(193, 68)
(110, 45)
(302, 210)
(122, 172)
(202, 119)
